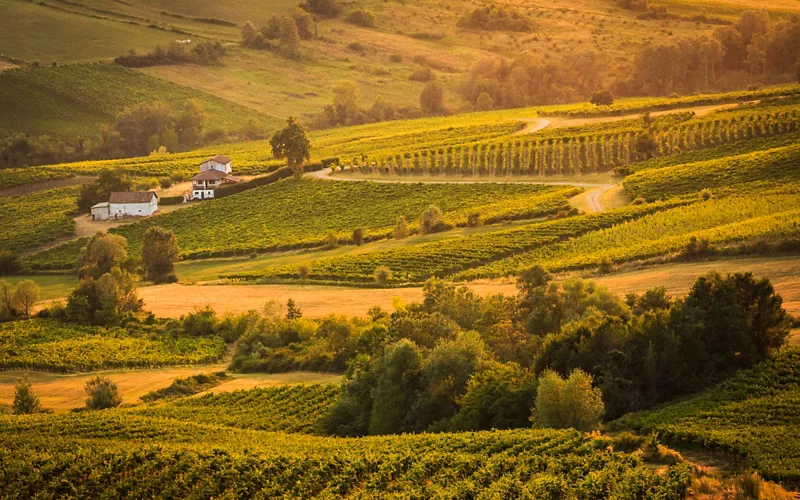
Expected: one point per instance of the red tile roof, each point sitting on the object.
(215, 175)
(132, 197)
(220, 158)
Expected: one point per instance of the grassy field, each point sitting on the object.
(75, 100)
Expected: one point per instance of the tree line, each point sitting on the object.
(203, 53)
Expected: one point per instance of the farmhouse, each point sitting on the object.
(214, 173)
(132, 204)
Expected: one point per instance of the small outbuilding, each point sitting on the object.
(100, 211)
(132, 204)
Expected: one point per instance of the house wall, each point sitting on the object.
(222, 167)
(100, 213)
(133, 209)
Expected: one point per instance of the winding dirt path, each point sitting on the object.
(594, 193)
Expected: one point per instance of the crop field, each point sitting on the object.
(724, 221)
(753, 416)
(75, 100)
(295, 409)
(337, 207)
(533, 463)
(418, 262)
(53, 346)
(30, 220)
(775, 167)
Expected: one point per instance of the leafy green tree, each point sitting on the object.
(138, 123)
(291, 144)
(108, 181)
(398, 379)
(289, 38)
(431, 220)
(431, 100)
(570, 403)
(322, 8)
(9, 263)
(103, 252)
(26, 295)
(25, 401)
(602, 98)
(304, 22)
(102, 394)
(500, 397)
(116, 292)
(160, 251)
(484, 102)
(190, 124)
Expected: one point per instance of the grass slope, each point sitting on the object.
(756, 414)
(75, 100)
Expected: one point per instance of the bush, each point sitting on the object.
(602, 98)
(331, 240)
(570, 403)
(200, 322)
(25, 402)
(421, 74)
(396, 58)
(705, 194)
(171, 200)
(361, 17)
(474, 220)
(102, 394)
(323, 8)
(382, 274)
(401, 230)
(431, 219)
(9, 263)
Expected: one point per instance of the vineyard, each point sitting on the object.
(419, 262)
(54, 346)
(753, 416)
(270, 217)
(587, 149)
(723, 221)
(295, 409)
(75, 100)
(204, 460)
(31, 220)
(770, 167)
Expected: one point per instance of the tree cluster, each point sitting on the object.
(21, 150)
(203, 53)
(143, 128)
(17, 301)
(280, 34)
(322, 8)
(497, 19)
(346, 109)
(753, 49)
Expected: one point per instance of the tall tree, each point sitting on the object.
(160, 251)
(26, 295)
(289, 38)
(431, 100)
(190, 124)
(291, 144)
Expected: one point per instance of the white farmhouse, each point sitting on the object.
(132, 204)
(219, 163)
(214, 173)
(100, 211)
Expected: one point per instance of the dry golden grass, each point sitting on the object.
(784, 272)
(63, 392)
(315, 301)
